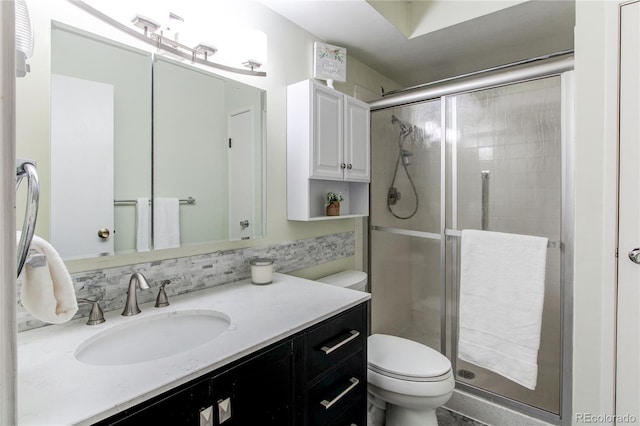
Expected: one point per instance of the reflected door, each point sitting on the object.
(81, 167)
(241, 178)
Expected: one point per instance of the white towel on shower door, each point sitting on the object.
(142, 224)
(501, 298)
(166, 223)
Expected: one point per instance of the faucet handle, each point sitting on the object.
(162, 300)
(96, 316)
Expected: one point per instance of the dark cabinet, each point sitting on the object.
(336, 370)
(177, 407)
(257, 392)
(316, 377)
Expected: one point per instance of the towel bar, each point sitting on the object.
(188, 200)
(456, 233)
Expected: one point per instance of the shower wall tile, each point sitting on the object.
(188, 274)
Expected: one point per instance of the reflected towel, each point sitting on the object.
(142, 224)
(166, 223)
(501, 297)
(47, 290)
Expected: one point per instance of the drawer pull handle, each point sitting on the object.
(328, 404)
(328, 349)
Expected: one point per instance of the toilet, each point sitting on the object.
(407, 380)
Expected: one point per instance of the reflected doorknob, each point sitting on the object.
(104, 233)
(634, 255)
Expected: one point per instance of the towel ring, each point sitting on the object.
(31, 213)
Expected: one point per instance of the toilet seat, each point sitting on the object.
(434, 388)
(405, 359)
(409, 378)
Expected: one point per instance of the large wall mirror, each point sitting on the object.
(148, 152)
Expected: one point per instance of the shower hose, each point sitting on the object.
(401, 138)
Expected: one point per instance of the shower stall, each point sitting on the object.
(491, 153)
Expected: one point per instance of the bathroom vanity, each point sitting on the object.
(293, 354)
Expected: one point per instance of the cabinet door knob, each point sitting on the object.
(349, 166)
(343, 166)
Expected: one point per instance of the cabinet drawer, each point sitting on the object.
(334, 341)
(354, 416)
(337, 392)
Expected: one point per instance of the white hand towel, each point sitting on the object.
(501, 298)
(142, 224)
(47, 291)
(166, 223)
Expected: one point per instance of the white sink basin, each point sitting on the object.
(151, 338)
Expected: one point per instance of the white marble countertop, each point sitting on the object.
(56, 389)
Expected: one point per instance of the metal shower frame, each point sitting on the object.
(560, 65)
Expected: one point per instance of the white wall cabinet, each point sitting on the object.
(328, 149)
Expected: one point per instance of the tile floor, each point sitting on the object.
(449, 418)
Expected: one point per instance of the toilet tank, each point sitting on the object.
(355, 280)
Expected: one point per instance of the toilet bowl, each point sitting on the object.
(407, 380)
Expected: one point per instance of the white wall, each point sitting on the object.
(290, 59)
(595, 205)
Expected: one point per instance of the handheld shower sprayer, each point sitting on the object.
(405, 129)
(404, 160)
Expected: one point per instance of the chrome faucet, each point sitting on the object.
(131, 305)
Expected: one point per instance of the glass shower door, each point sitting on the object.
(505, 174)
(488, 159)
(406, 222)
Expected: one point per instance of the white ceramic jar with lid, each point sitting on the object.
(261, 270)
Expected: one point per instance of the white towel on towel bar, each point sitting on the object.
(47, 291)
(142, 224)
(166, 223)
(501, 298)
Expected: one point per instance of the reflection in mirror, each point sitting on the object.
(207, 138)
(81, 173)
(206, 134)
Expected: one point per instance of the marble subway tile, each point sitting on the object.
(194, 273)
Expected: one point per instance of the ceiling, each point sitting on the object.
(520, 31)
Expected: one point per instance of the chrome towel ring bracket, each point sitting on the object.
(27, 168)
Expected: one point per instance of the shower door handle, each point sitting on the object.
(634, 255)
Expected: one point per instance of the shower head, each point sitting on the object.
(404, 128)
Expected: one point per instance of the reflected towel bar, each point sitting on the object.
(189, 200)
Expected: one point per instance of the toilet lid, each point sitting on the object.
(403, 357)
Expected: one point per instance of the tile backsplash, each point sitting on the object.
(194, 273)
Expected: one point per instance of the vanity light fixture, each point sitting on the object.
(167, 40)
(250, 63)
(205, 49)
(146, 24)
